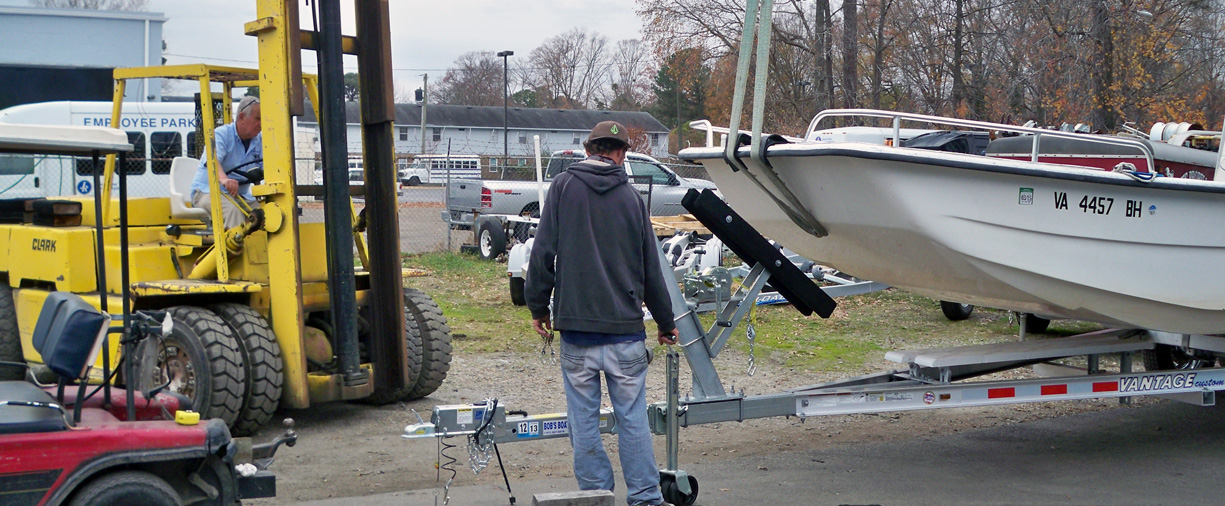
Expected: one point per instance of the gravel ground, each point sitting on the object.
(348, 450)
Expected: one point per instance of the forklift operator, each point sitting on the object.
(239, 146)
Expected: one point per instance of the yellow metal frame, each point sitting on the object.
(288, 296)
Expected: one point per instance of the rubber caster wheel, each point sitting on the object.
(1035, 324)
(956, 311)
(672, 493)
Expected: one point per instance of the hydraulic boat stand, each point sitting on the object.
(929, 380)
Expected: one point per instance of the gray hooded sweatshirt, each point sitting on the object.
(596, 253)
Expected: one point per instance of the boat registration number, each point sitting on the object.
(1098, 204)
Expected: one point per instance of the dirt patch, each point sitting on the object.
(350, 450)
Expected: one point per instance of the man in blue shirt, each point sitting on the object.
(239, 148)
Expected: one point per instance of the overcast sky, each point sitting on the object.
(426, 36)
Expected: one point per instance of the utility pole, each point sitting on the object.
(678, 111)
(425, 99)
(505, 55)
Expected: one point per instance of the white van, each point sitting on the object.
(158, 131)
(433, 169)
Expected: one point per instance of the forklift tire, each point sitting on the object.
(127, 487)
(435, 342)
(517, 285)
(490, 239)
(10, 338)
(262, 357)
(412, 343)
(205, 350)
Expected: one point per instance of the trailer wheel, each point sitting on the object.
(956, 311)
(10, 337)
(1164, 357)
(262, 357)
(517, 285)
(435, 341)
(490, 238)
(1035, 324)
(127, 487)
(412, 340)
(201, 360)
(672, 492)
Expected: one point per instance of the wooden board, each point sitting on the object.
(669, 225)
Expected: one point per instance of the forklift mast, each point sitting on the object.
(280, 40)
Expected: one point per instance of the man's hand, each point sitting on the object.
(230, 185)
(669, 337)
(543, 326)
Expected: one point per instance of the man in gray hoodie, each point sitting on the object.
(597, 256)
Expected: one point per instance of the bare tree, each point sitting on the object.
(475, 79)
(631, 87)
(106, 5)
(571, 69)
(850, 53)
(1075, 61)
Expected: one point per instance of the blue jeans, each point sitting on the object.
(625, 369)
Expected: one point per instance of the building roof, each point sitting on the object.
(81, 13)
(516, 117)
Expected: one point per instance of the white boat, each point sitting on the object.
(1050, 239)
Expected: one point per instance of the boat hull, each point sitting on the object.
(1039, 238)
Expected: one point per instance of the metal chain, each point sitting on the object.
(480, 444)
(547, 355)
(752, 333)
(480, 453)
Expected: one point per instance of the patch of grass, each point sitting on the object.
(475, 297)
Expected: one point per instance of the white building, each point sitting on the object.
(68, 54)
(477, 130)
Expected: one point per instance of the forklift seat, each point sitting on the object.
(68, 334)
(182, 171)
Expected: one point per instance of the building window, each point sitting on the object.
(437, 134)
(135, 163)
(166, 146)
(20, 165)
(522, 137)
(577, 140)
(403, 133)
(655, 139)
(192, 149)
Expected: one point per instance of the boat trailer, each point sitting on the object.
(930, 380)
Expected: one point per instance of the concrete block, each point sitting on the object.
(577, 498)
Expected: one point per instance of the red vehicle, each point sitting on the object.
(130, 449)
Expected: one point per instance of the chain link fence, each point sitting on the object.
(421, 206)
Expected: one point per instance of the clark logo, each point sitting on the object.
(44, 245)
(1157, 383)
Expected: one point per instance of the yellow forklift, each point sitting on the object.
(274, 311)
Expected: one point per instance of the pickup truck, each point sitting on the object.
(466, 198)
(506, 209)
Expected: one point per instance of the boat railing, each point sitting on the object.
(1036, 133)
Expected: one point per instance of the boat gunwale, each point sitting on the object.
(960, 161)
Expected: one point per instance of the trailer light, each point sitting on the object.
(486, 198)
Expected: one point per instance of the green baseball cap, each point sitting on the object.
(610, 130)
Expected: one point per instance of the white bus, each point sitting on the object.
(433, 169)
(158, 131)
